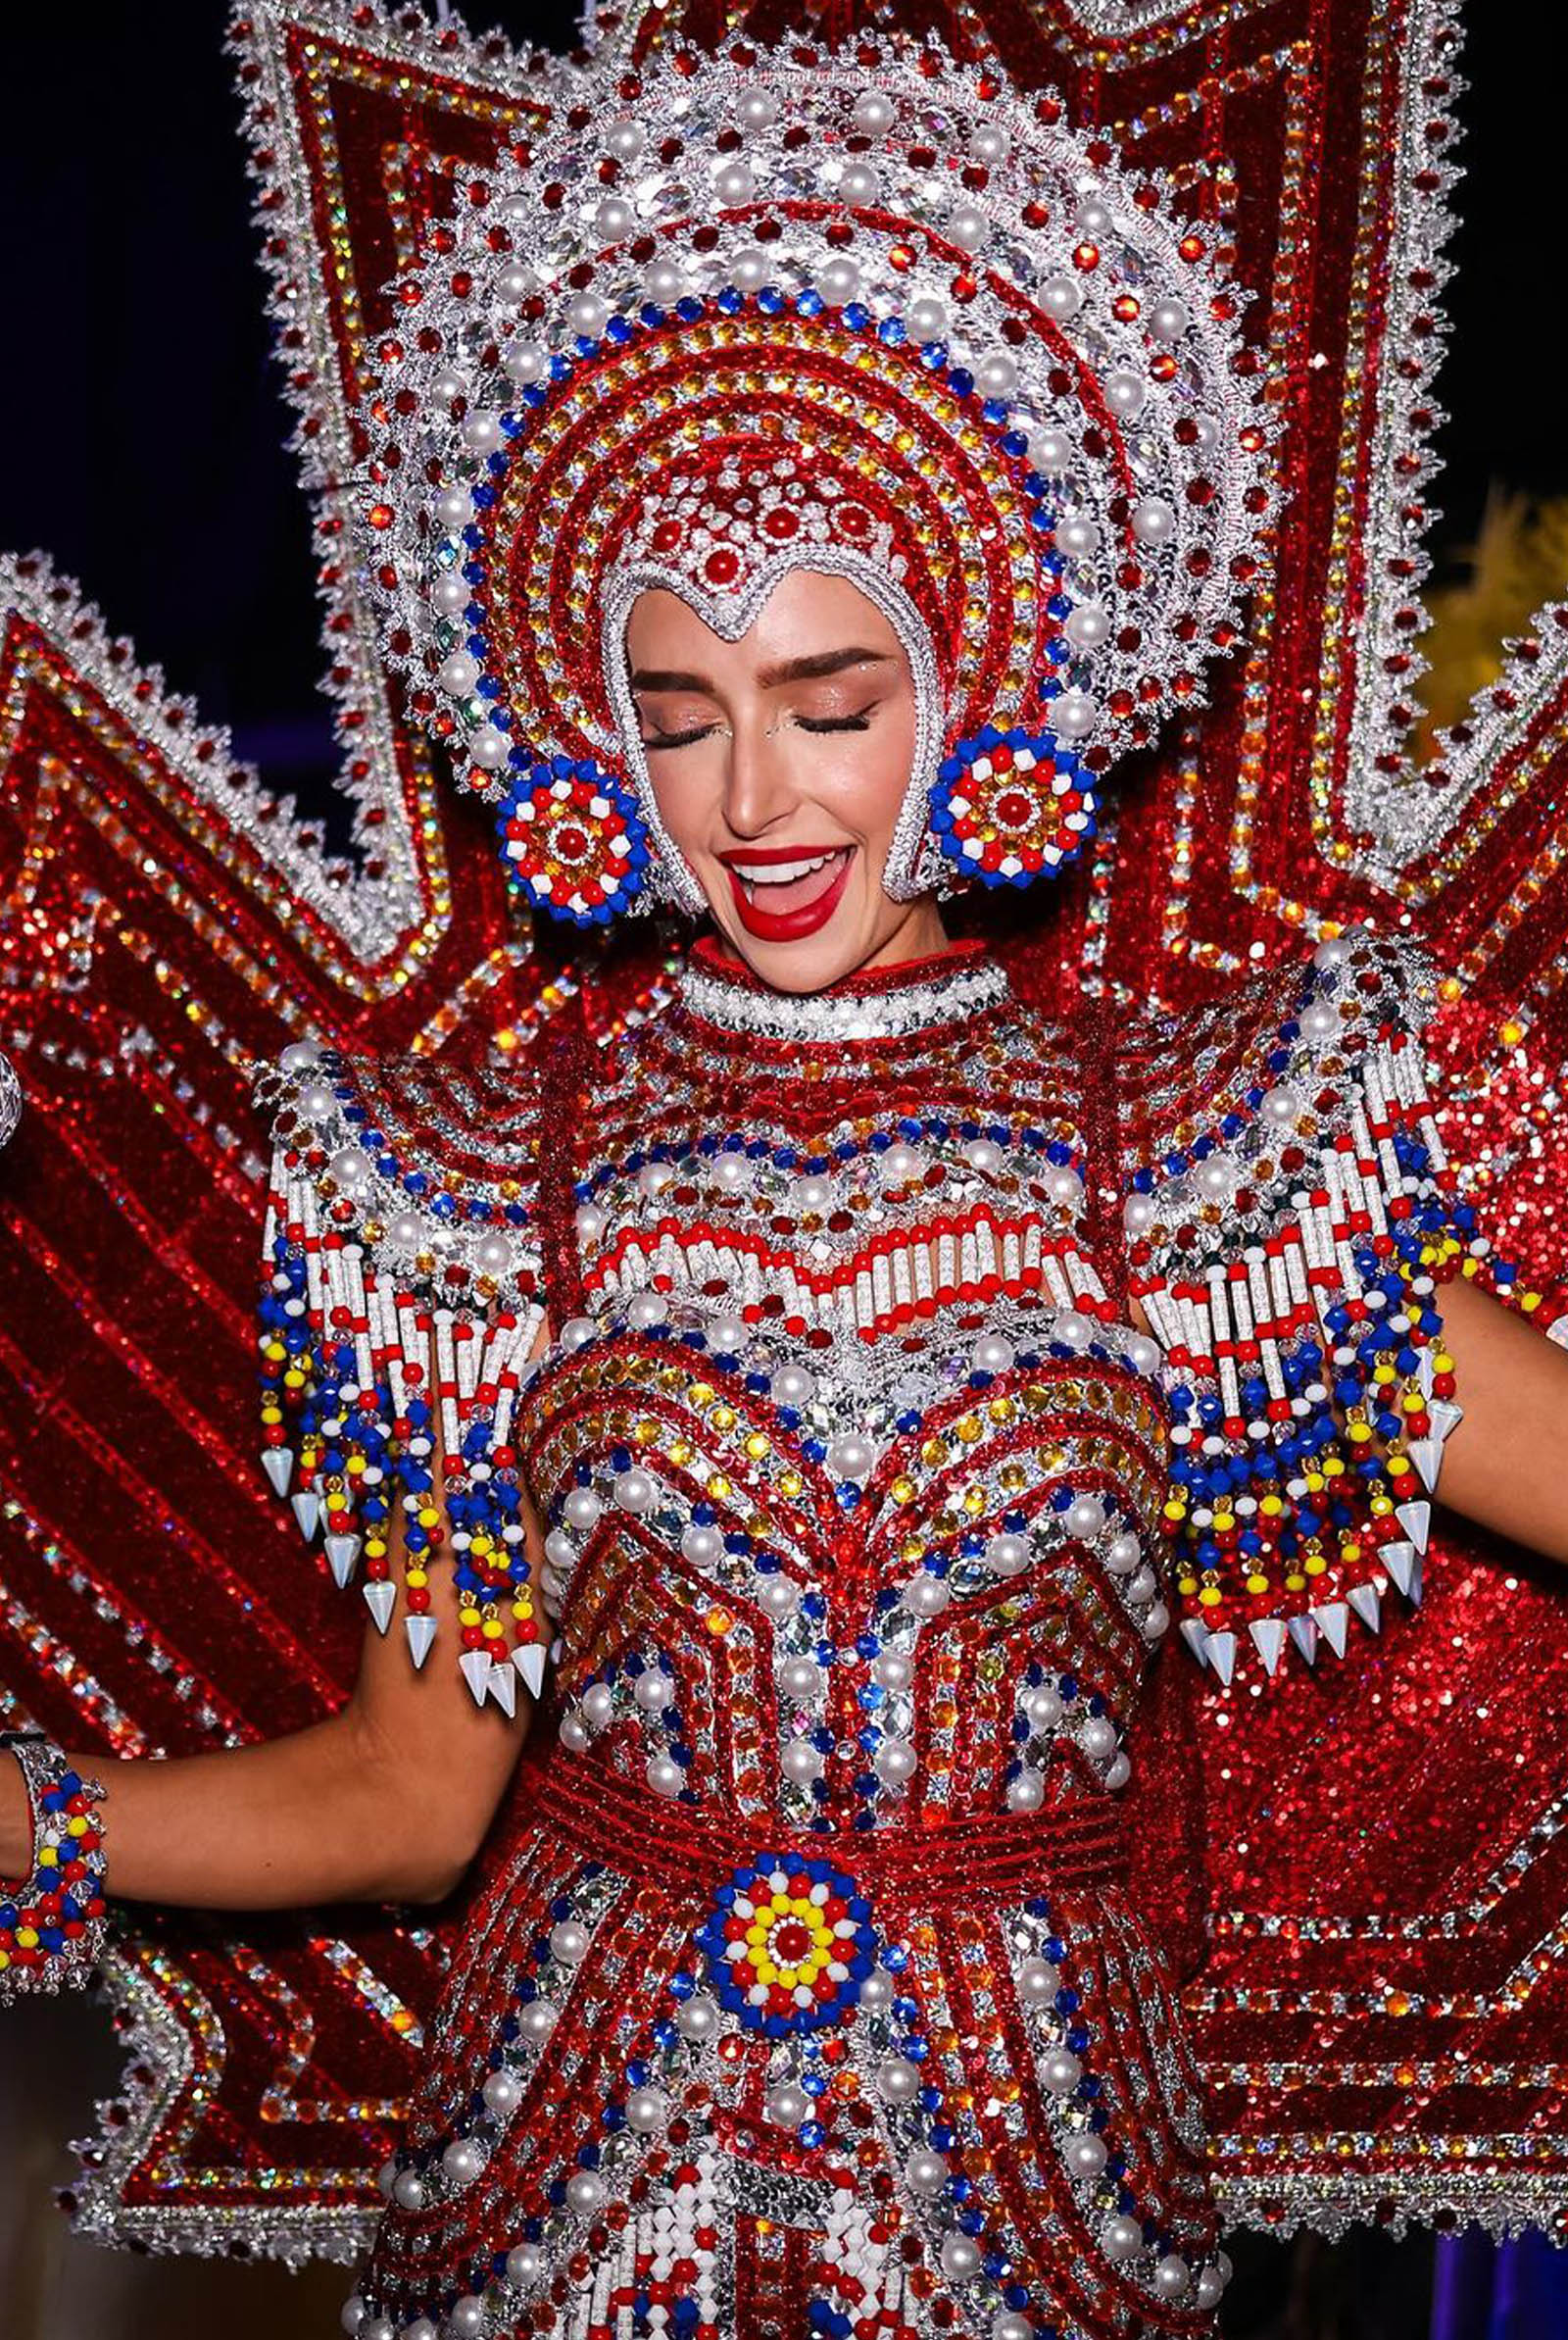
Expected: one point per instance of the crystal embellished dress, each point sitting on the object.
(810, 1986)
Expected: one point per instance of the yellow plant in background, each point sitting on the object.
(1518, 562)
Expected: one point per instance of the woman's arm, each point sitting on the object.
(388, 1800)
(1505, 1465)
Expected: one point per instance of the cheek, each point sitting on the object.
(684, 798)
(863, 780)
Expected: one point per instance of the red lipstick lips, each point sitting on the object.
(793, 918)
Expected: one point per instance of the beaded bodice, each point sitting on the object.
(850, 1475)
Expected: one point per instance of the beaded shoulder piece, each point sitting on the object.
(1291, 1217)
(400, 1300)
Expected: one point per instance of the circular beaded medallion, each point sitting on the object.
(790, 1942)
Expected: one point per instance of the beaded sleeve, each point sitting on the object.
(401, 1299)
(1290, 1220)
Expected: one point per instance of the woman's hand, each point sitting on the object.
(1505, 1465)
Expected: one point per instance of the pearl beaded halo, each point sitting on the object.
(897, 275)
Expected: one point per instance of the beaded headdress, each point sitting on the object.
(879, 316)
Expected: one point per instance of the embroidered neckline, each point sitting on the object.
(938, 990)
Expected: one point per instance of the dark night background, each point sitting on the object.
(144, 428)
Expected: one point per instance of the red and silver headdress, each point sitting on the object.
(879, 316)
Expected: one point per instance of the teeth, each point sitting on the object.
(781, 872)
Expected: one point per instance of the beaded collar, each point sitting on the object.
(892, 1003)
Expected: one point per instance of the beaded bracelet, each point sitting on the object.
(52, 1923)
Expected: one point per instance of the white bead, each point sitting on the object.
(926, 1595)
(873, 114)
(1125, 395)
(697, 2017)
(377, 2327)
(961, 2257)
(1098, 1738)
(726, 1336)
(1333, 951)
(1005, 2325)
(1321, 1021)
(1144, 1585)
(653, 1690)
(987, 143)
(463, 2161)
(1062, 298)
(926, 319)
(839, 282)
(984, 1154)
(502, 2093)
(1154, 520)
(653, 1177)
(493, 1256)
(851, 1456)
(1008, 1555)
(615, 219)
(786, 2106)
(859, 183)
(455, 508)
(748, 270)
(1043, 1707)
(1144, 1355)
(585, 2192)
(407, 2190)
(1216, 1176)
(925, 2173)
(1086, 2155)
(466, 2321)
(702, 1546)
(635, 1491)
(814, 1193)
(407, 1231)
(733, 184)
(598, 1705)
(451, 595)
(569, 1941)
(1117, 1773)
(895, 1761)
(1026, 1792)
(900, 1164)
(582, 1508)
(877, 1991)
(1073, 715)
(1039, 1981)
(1157, 1622)
(1283, 1105)
(586, 313)
(779, 1595)
(352, 2314)
(317, 1101)
(446, 385)
(791, 1385)
(664, 285)
(647, 1309)
(1086, 627)
(647, 2109)
(1138, 1213)
(666, 1776)
(969, 227)
(801, 1762)
(575, 1334)
(893, 1670)
(898, 2080)
(1169, 319)
(992, 1354)
(458, 674)
(1086, 1517)
(1072, 1329)
(1173, 2277)
(524, 2263)
(1078, 535)
(536, 2020)
(801, 1678)
(350, 1168)
(481, 432)
(1061, 2072)
(588, 1225)
(1123, 1554)
(1051, 451)
(1121, 2239)
(625, 139)
(757, 109)
(1092, 218)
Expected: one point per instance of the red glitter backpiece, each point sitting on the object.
(1379, 1994)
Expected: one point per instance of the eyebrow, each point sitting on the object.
(813, 669)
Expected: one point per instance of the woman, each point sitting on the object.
(794, 485)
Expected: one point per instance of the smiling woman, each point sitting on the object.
(780, 763)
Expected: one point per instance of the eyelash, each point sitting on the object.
(814, 724)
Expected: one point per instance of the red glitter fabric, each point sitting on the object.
(1367, 1856)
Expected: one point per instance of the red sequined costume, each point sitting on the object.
(1360, 1882)
(810, 1987)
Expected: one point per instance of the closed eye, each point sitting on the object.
(838, 722)
(678, 739)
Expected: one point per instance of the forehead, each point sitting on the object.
(808, 614)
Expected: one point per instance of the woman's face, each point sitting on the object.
(779, 763)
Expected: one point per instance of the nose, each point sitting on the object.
(758, 791)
